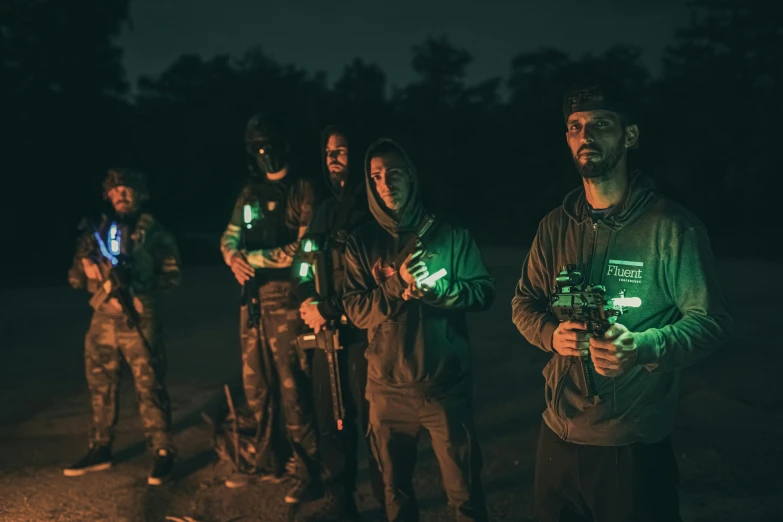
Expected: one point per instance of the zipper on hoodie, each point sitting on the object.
(592, 253)
(561, 380)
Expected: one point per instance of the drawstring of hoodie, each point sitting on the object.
(601, 282)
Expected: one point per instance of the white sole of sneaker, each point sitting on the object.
(84, 471)
(152, 481)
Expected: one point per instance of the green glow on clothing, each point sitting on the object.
(248, 213)
(431, 280)
(630, 302)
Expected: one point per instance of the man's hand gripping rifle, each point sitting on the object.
(327, 338)
(114, 267)
(425, 280)
(413, 242)
(572, 301)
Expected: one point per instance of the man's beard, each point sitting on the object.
(600, 169)
(123, 207)
(339, 178)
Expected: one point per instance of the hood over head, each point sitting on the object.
(412, 211)
(355, 155)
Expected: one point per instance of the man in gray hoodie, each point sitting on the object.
(607, 456)
(419, 372)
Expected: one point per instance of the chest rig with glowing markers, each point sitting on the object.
(264, 216)
(117, 242)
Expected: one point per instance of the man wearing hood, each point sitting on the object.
(333, 221)
(419, 371)
(268, 220)
(127, 260)
(606, 455)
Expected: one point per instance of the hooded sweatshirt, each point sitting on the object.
(333, 220)
(655, 250)
(420, 346)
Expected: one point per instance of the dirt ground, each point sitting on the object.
(729, 437)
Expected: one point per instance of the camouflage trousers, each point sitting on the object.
(109, 339)
(278, 389)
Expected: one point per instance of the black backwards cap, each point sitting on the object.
(594, 95)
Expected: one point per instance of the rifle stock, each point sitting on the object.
(315, 258)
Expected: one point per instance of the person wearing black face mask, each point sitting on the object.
(269, 218)
(128, 260)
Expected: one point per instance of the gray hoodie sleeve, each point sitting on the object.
(693, 284)
(368, 303)
(530, 305)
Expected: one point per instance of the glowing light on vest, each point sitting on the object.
(113, 250)
(248, 214)
(114, 239)
(303, 269)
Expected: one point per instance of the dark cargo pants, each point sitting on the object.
(580, 483)
(340, 448)
(109, 339)
(395, 422)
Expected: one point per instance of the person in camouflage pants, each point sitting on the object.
(148, 255)
(269, 218)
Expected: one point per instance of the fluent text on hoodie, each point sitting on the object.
(655, 250)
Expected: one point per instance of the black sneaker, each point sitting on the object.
(164, 463)
(304, 490)
(98, 458)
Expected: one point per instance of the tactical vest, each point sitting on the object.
(264, 223)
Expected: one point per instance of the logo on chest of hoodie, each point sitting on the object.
(625, 271)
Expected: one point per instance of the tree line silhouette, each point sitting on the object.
(492, 155)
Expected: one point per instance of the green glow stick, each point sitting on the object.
(430, 281)
(630, 302)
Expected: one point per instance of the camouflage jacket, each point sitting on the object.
(154, 262)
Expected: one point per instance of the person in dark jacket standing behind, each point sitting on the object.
(419, 371)
(333, 220)
(607, 456)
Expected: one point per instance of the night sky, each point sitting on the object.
(325, 36)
